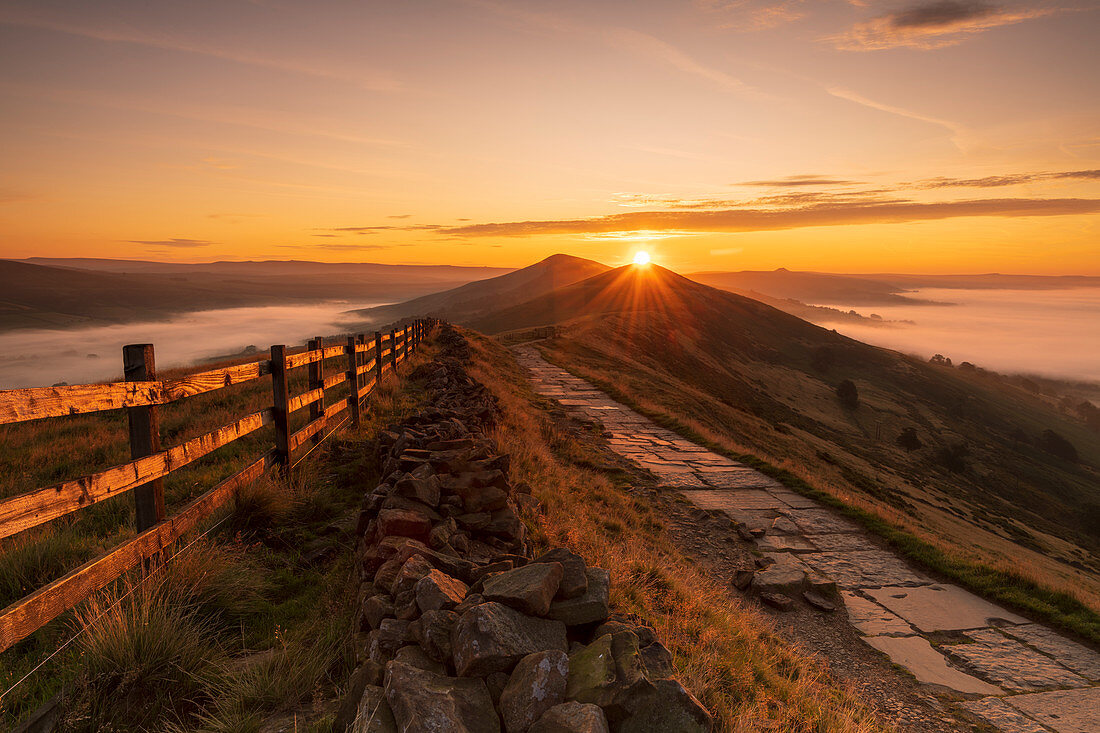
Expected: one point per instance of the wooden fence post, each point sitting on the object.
(317, 381)
(378, 358)
(393, 350)
(139, 365)
(280, 403)
(353, 381)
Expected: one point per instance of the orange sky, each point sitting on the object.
(839, 135)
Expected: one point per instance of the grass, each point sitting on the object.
(240, 625)
(1025, 592)
(725, 652)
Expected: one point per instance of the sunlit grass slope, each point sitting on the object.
(752, 380)
(725, 652)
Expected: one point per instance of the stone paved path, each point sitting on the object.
(1019, 676)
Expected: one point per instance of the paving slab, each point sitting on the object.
(865, 569)
(928, 665)
(1012, 665)
(843, 542)
(871, 619)
(718, 499)
(794, 500)
(1006, 718)
(1070, 654)
(942, 607)
(819, 520)
(740, 478)
(1066, 711)
(785, 542)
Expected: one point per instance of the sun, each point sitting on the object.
(641, 258)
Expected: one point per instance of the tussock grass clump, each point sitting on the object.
(725, 652)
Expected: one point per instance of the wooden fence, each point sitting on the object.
(364, 360)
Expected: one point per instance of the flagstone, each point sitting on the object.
(942, 607)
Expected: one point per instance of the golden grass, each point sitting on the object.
(726, 653)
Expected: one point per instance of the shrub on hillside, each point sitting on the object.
(953, 457)
(848, 394)
(909, 440)
(1056, 445)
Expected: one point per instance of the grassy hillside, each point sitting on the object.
(986, 482)
(37, 296)
(467, 301)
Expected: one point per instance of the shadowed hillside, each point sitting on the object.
(467, 301)
(988, 476)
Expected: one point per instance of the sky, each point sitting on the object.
(836, 135)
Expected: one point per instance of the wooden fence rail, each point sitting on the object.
(364, 362)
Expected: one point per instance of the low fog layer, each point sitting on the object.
(1049, 332)
(41, 358)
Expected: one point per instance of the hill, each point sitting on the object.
(80, 292)
(988, 477)
(466, 302)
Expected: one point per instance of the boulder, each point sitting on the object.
(373, 714)
(610, 673)
(432, 631)
(425, 702)
(574, 582)
(492, 637)
(742, 578)
(658, 661)
(571, 717)
(536, 685)
(404, 523)
(412, 570)
(818, 601)
(376, 608)
(414, 656)
(668, 708)
(530, 589)
(778, 601)
(426, 490)
(591, 607)
(438, 591)
(383, 642)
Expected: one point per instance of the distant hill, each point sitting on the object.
(466, 302)
(990, 476)
(815, 288)
(117, 291)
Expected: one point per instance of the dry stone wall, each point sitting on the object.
(463, 628)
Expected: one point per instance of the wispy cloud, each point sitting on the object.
(175, 242)
(810, 179)
(363, 78)
(931, 25)
(753, 15)
(761, 219)
(647, 45)
(1010, 179)
(960, 137)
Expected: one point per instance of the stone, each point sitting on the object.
(1069, 654)
(1003, 716)
(818, 601)
(499, 566)
(928, 665)
(658, 661)
(536, 685)
(871, 619)
(942, 607)
(610, 673)
(786, 575)
(529, 589)
(492, 637)
(425, 702)
(1066, 711)
(591, 607)
(383, 642)
(415, 656)
(742, 578)
(438, 591)
(1012, 665)
(571, 717)
(426, 490)
(574, 581)
(778, 601)
(373, 714)
(376, 608)
(481, 498)
(865, 569)
(432, 631)
(669, 708)
(404, 523)
(413, 569)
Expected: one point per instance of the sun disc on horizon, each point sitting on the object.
(641, 258)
